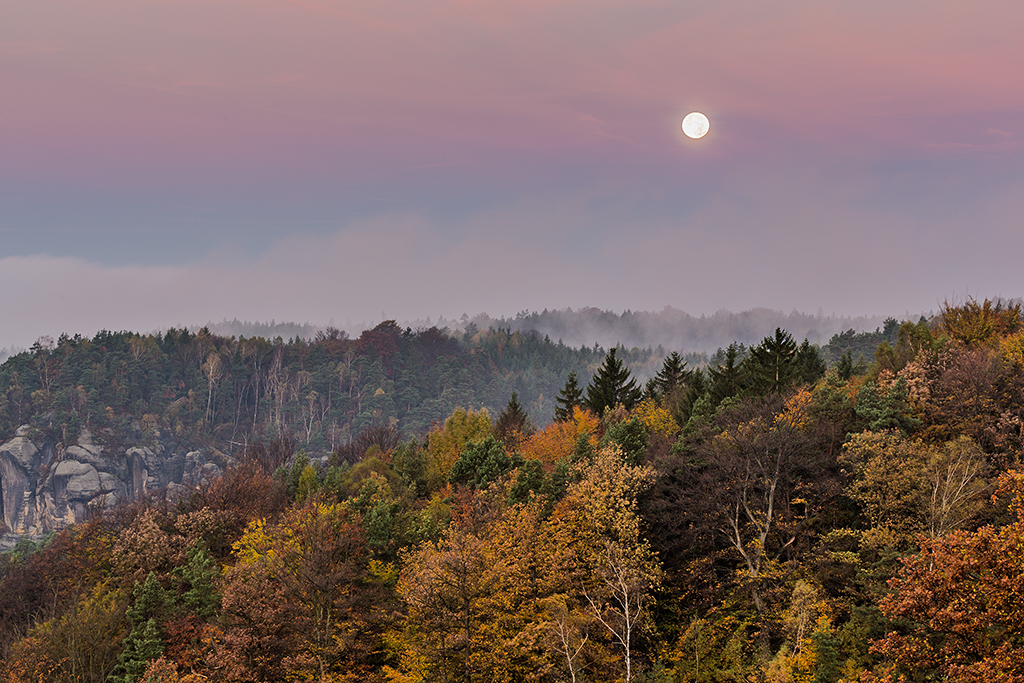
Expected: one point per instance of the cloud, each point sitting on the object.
(785, 240)
(308, 160)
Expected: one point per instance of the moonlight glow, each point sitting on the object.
(695, 125)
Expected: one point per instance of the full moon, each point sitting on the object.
(695, 125)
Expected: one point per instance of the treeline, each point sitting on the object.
(221, 392)
(205, 390)
(762, 519)
(674, 329)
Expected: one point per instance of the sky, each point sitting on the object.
(174, 162)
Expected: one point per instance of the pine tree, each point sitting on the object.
(568, 398)
(145, 642)
(811, 365)
(844, 368)
(513, 423)
(773, 365)
(200, 575)
(481, 463)
(611, 385)
(728, 378)
(672, 374)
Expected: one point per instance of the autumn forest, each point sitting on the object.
(492, 506)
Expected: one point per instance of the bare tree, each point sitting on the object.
(626, 577)
(956, 485)
(567, 630)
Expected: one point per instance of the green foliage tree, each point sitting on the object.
(631, 437)
(513, 424)
(884, 408)
(145, 642)
(611, 385)
(911, 340)
(198, 577)
(727, 378)
(844, 368)
(670, 378)
(810, 363)
(568, 398)
(481, 463)
(773, 366)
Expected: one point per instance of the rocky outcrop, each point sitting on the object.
(45, 486)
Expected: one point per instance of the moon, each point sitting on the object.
(696, 125)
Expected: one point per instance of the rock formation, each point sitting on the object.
(45, 486)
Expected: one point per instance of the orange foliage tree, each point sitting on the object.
(959, 605)
(558, 440)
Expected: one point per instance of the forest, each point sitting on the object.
(499, 507)
(217, 392)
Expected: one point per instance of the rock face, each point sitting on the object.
(45, 487)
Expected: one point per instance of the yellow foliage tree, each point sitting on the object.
(1012, 348)
(81, 644)
(598, 522)
(979, 323)
(444, 445)
(797, 411)
(656, 419)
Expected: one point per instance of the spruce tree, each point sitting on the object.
(611, 385)
(145, 642)
(728, 378)
(773, 366)
(844, 368)
(568, 398)
(200, 575)
(672, 374)
(811, 365)
(513, 423)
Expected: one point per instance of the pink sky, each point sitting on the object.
(863, 157)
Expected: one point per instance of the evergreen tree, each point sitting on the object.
(200, 575)
(145, 642)
(568, 398)
(826, 656)
(631, 437)
(681, 402)
(773, 365)
(611, 385)
(844, 368)
(513, 423)
(672, 375)
(727, 379)
(481, 463)
(812, 365)
(698, 385)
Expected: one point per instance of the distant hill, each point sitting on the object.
(670, 328)
(676, 330)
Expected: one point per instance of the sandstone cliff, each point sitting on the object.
(45, 485)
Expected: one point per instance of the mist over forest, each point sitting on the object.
(669, 328)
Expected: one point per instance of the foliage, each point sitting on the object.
(758, 520)
(445, 445)
(513, 424)
(959, 604)
(979, 323)
(481, 463)
(611, 385)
